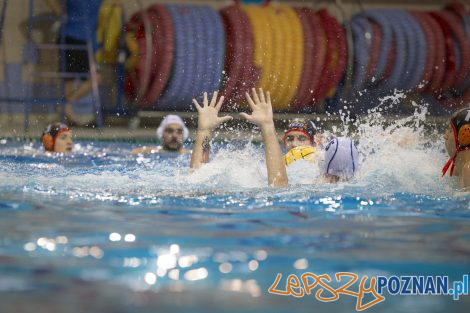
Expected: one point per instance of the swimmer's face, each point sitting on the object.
(64, 142)
(297, 139)
(173, 137)
(450, 141)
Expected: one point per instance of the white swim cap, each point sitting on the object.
(341, 158)
(172, 119)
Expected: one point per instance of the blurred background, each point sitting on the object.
(126, 63)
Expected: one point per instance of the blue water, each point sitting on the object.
(103, 231)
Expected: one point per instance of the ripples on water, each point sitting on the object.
(144, 233)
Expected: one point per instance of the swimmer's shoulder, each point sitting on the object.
(157, 149)
(147, 150)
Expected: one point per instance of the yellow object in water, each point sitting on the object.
(301, 153)
(108, 31)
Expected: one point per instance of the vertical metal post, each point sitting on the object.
(62, 97)
(2, 18)
(95, 86)
(27, 94)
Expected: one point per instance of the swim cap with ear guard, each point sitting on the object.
(304, 126)
(341, 158)
(50, 134)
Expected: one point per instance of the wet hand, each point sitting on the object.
(262, 110)
(208, 113)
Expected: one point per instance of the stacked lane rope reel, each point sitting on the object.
(240, 74)
(301, 55)
(426, 53)
(149, 36)
(179, 51)
(296, 53)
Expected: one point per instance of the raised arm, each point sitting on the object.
(207, 121)
(262, 116)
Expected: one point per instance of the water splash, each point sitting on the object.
(403, 155)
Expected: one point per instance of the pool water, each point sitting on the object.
(104, 231)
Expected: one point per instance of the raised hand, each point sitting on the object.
(262, 115)
(208, 113)
(208, 119)
(262, 111)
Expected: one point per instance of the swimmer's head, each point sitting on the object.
(457, 137)
(57, 138)
(300, 132)
(172, 132)
(341, 159)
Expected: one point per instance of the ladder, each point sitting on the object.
(61, 46)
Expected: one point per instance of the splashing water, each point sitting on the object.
(400, 157)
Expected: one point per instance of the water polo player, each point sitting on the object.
(457, 141)
(172, 132)
(262, 115)
(57, 138)
(340, 161)
(300, 141)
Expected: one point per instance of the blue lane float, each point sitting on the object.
(396, 76)
(191, 57)
(199, 56)
(360, 27)
(217, 33)
(416, 44)
(386, 43)
(206, 51)
(167, 101)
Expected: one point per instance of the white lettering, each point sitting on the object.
(467, 118)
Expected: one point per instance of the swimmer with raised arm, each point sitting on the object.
(262, 115)
(457, 142)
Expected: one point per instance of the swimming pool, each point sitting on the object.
(103, 231)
